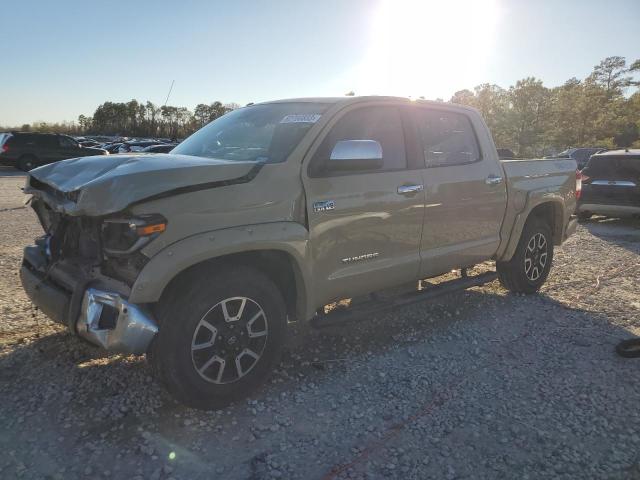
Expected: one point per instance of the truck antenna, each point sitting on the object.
(170, 88)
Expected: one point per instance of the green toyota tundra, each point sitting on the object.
(201, 258)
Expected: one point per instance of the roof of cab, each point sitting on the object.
(359, 99)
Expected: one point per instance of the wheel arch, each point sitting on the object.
(284, 260)
(551, 213)
(278, 265)
(548, 209)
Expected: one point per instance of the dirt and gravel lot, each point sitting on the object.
(479, 384)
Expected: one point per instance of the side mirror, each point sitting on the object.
(355, 155)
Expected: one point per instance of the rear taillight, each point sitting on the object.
(5, 148)
(580, 179)
(578, 183)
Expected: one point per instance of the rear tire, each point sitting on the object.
(583, 216)
(27, 162)
(220, 336)
(530, 265)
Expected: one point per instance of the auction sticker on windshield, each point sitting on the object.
(301, 118)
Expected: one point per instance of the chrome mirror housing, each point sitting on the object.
(355, 155)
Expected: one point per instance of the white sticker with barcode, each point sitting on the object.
(301, 118)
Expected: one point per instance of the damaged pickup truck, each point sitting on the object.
(200, 258)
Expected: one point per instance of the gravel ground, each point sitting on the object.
(479, 384)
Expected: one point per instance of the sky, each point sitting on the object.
(64, 58)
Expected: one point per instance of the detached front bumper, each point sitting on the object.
(104, 318)
(107, 320)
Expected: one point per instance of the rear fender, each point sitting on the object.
(560, 214)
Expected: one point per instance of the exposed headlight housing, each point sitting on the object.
(123, 236)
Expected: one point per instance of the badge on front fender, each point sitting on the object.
(324, 206)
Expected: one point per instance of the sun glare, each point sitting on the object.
(427, 47)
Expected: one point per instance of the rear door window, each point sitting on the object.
(447, 138)
(47, 141)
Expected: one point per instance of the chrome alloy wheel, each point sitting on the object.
(535, 257)
(229, 340)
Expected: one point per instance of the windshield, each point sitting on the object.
(267, 133)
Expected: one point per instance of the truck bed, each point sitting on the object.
(531, 182)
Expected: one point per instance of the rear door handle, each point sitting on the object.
(409, 189)
(493, 180)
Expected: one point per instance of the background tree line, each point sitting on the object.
(534, 120)
(529, 118)
(137, 119)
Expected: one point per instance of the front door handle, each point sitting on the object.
(410, 189)
(493, 180)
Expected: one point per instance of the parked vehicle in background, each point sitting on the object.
(505, 154)
(3, 137)
(611, 185)
(30, 150)
(89, 143)
(162, 148)
(201, 257)
(112, 147)
(136, 145)
(580, 155)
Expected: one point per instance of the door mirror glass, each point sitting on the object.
(350, 155)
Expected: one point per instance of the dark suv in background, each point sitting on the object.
(30, 150)
(611, 185)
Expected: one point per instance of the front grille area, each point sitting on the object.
(76, 237)
(80, 241)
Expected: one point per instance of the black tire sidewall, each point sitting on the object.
(172, 347)
(532, 228)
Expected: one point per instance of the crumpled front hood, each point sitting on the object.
(100, 185)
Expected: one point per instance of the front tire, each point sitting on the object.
(220, 336)
(530, 265)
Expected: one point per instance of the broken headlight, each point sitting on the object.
(123, 236)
